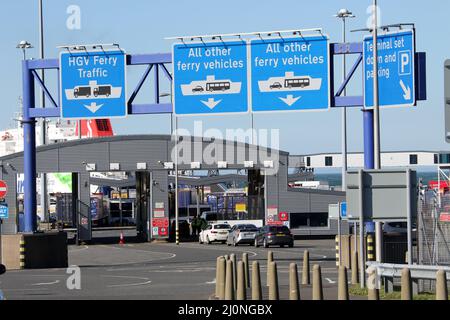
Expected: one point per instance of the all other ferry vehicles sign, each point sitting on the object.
(210, 77)
(396, 69)
(93, 84)
(290, 74)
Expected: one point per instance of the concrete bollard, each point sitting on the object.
(406, 285)
(373, 292)
(229, 290)
(305, 273)
(294, 290)
(233, 258)
(246, 266)
(343, 284)
(273, 287)
(355, 271)
(441, 285)
(241, 292)
(317, 292)
(218, 275)
(220, 280)
(269, 260)
(256, 282)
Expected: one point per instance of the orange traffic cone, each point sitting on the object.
(121, 241)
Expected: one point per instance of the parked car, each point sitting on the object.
(274, 235)
(242, 233)
(216, 232)
(209, 216)
(399, 228)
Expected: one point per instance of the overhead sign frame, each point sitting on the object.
(113, 104)
(408, 88)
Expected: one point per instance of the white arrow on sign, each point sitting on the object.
(211, 103)
(93, 107)
(290, 100)
(406, 90)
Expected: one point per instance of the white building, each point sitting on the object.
(356, 160)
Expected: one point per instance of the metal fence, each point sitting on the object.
(433, 232)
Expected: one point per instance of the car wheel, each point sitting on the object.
(281, 245)
(265, 244)
(291, 245)
(256, 244)
(235, 243)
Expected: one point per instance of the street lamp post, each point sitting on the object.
(24, 45)
(44, 200)
(344, 14)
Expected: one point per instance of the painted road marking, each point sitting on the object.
(45, 283)
(145, 282)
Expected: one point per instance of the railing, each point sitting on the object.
(417, 271)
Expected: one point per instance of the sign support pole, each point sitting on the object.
(177, 230)
(362, 269)
(29, 150)
(409, 215)
(339, 234)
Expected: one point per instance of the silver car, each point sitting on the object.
(242, 233)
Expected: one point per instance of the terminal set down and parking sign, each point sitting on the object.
(93, 84)
(210, 78)
(396, 69)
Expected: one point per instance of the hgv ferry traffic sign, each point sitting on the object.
(93, 84)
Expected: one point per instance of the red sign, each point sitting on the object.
(444, 217)
(438, 184)
(3, 189)
(283, 216)
(160, 223)
(275, 223)
(163, 231)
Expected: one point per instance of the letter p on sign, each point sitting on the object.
(404, 63)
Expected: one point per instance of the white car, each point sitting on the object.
(216, 232)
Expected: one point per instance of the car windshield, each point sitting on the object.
(283, 229)
(222, 226)
(247, 227)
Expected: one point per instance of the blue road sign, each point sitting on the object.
(210, 77)
(4, 211)
(290, 74)
(396, 63)
(343, 209)
(93, 84)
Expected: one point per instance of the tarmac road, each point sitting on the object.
(161, 271)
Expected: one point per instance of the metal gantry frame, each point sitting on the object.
(157, 63)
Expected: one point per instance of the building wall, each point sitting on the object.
(356, 160)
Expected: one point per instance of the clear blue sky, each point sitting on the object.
(140, 27)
